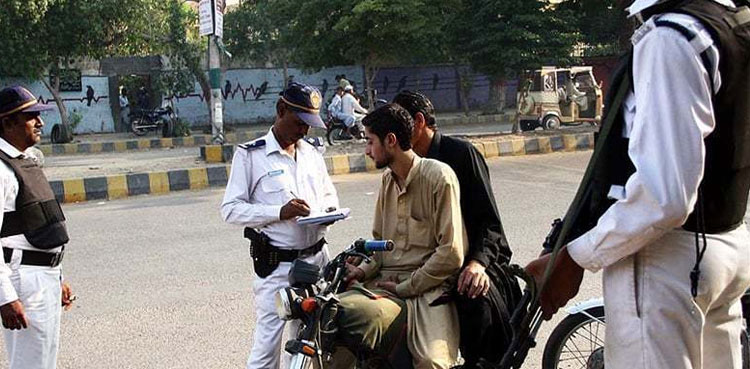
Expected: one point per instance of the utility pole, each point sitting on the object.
(212, 24)
(214, 74)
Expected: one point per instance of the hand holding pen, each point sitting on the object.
(296, 207)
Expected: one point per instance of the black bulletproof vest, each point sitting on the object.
(38, 215)
(726, 181)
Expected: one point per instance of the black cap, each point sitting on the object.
(305, 102)
(16, 99)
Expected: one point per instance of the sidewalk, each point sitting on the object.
(196, 175)
(112, 166)
(124, 142)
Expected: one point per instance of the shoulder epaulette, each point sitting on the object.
(254, 144)
(315, 141)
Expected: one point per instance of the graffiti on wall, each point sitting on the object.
(92, 104)
(250, 95)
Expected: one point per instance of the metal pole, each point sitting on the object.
(214, 74)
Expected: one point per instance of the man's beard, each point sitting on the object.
(385, 162)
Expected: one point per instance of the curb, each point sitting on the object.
(140, 144)
(205, 139)
(126, 185)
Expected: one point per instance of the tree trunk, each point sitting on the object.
(55, 91)
(200, 76)
(463, 85)
(285, 71)
(370, 74)
(496, 102)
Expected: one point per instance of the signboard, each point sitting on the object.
(211, 14)
(206, 17)
(219, 18)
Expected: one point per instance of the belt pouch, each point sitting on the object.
(265, 257)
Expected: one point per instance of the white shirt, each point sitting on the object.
(666, 120)
(265, 178)
(8, 194)
(335, 106)
(350, 105)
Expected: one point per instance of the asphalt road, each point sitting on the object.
(164, 283)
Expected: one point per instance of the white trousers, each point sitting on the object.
(652, 320)
(266, 350)
(38, 289)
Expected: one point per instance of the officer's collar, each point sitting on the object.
(9, 149)
(273, 145)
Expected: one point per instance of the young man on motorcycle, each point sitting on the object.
(486, 293)
(418, 208)
(661, 210)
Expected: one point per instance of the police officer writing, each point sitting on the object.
(487, 295)
(661, 206)
(33, 236)
(275, 179)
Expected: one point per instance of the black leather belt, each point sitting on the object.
(292, 255)
(36, 258)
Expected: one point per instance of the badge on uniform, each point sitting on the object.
(276, 173)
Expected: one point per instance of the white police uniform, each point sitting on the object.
(264, 177)
(37, 287)
(652, 319)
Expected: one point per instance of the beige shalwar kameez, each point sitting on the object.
(424, 221)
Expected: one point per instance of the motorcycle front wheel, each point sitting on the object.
(337, 134)
(136, 126)
(577, 342)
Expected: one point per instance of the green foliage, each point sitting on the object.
(181, 128)
(375, 33)
(74, 119)
(501, 38)
(261, 31)
(602, 23)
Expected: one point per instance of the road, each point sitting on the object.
(164, 283)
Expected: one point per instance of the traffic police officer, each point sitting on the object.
(275, 179)
(33, 236)
(668, 190)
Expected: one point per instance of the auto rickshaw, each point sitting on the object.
(551, 97)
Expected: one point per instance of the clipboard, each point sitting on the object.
(320, 218)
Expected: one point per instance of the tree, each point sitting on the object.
(602, 23)
(184, 46)
(46, 36)
(374, 33)
(502, 38)
(261, 31)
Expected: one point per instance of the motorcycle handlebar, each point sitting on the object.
(369, 246)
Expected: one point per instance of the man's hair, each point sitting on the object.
(415, 102)
(391, 118)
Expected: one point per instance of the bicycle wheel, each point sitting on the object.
(577, 342)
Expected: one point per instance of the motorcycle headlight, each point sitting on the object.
(284, 301)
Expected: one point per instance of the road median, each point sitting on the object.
(120, 186)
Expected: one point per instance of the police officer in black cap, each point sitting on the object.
(274, 180)
(33, 236)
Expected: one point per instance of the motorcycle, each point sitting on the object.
(164, 118)
(337, 131)
(311, 299)
(578, 340)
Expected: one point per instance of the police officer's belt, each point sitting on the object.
(267, 257)
(37, 258)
